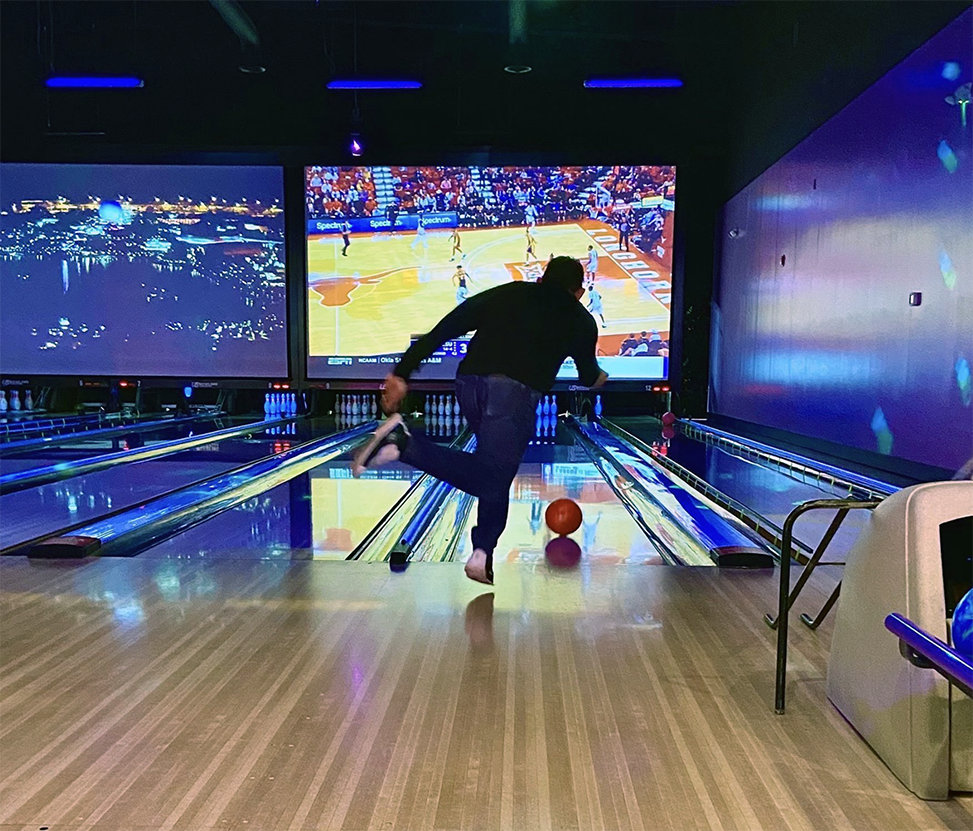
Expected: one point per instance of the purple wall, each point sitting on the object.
(874, 205)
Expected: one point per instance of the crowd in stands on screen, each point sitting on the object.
(498, 196)
(647, 344)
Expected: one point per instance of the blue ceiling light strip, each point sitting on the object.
(356, 84)
(633, 83)
(94, 82)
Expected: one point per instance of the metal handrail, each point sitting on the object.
(926, 651)
(784, 597)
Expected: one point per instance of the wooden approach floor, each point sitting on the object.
(236, 694)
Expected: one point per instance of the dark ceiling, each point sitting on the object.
(754, 72)
(194, 91)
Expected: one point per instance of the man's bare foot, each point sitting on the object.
(476, 567)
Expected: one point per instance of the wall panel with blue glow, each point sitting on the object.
(875, 205)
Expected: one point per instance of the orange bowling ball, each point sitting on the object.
(563, 516)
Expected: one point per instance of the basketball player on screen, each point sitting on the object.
(457, 245)
(421, 238)
(523, 333)
(591, 266)
(345, 231)
(531, 247)
(459, 280)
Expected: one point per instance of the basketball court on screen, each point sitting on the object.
(393, 286)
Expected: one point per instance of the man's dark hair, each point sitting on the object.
(565, 273)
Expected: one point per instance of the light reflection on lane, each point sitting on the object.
(608, 535)
(321, 515)
(345, 509)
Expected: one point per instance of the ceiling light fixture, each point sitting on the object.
(94, 82)
(633, 83)
(518, 69)
(356, 84)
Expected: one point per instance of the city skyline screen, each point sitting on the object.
(391, 250)
(142, 270)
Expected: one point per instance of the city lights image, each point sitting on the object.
(151, 270)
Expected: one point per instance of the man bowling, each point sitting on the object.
(523, 333)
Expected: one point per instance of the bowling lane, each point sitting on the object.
(608, 535)
(326, 513)
(49, 508)
(321, 515)
(769, 492)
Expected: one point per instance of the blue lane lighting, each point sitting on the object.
(372, 83)
(633, 83)
(93, 82)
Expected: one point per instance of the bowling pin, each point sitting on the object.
(29, 401)
(540, 407)
(374, 406)
(598, 407)
(441, 406)
(456, 406)
(3, 401)
(14, 400)
(266, 405)
(546, 409)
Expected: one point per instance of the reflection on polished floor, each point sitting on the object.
(234, 694)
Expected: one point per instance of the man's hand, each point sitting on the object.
(393, 393)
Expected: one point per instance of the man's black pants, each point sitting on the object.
(501, 413)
